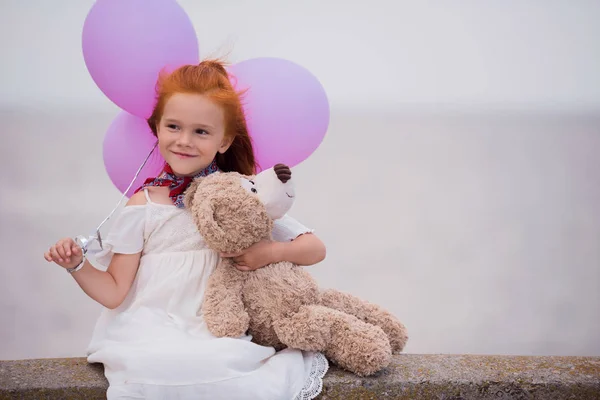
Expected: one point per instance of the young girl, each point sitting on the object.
(151, 336)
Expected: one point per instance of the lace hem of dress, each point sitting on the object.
(314, 384)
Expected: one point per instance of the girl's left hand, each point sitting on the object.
(256, 256)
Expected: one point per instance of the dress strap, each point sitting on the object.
(147, 195)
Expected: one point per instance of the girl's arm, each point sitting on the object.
(306, 249)
(109, 287)
(293, 242)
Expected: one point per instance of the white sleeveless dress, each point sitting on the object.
(156, 345)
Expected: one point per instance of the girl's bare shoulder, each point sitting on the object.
(137, 199)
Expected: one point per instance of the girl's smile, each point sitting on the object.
(183, 155)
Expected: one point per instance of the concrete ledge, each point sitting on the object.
(411, 376)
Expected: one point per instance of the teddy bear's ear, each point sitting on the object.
(213, 234)
(188, 196)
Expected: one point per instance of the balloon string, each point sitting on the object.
(97, 233)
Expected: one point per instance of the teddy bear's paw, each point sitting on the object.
(397, 335)
(370, 313)
(308, 329)
(364, 349)
(227, 325)
(394, 329)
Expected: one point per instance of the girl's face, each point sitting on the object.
(191, 132)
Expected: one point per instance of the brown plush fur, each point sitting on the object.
(281, 305)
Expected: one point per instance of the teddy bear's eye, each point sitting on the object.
(253, 190)
(252, 182)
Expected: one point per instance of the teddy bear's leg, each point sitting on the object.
(222, 308)
(370, 313)
(357, 346)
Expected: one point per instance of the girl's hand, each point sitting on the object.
(256, 256)
(65, 253)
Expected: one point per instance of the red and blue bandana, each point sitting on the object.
(177, 184)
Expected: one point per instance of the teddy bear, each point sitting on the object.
(280, 305)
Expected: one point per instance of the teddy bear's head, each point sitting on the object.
(233, 211)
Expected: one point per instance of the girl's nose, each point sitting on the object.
(185, 138)
(283, 172)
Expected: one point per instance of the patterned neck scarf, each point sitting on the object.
(178, 185)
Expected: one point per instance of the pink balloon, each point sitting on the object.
(126, 43)
(126, 145)
(286, 108)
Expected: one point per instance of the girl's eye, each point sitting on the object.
(201, 132)
(172, 126)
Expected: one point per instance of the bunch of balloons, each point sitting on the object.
(126, 43)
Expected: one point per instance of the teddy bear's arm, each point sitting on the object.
(223, 308)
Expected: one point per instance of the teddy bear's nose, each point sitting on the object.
(283, 172)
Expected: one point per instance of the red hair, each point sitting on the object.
(210, 78)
